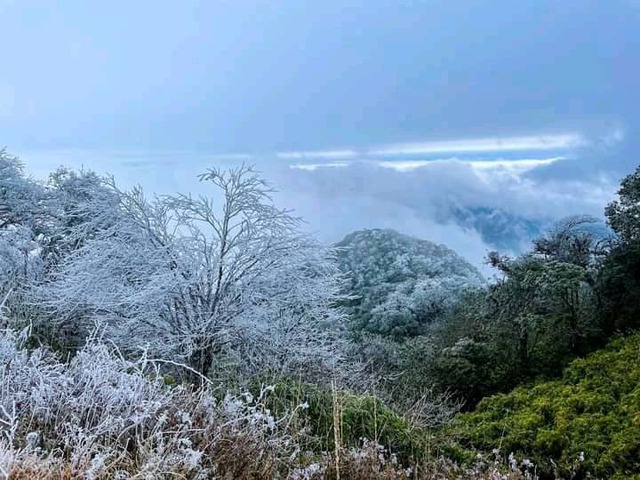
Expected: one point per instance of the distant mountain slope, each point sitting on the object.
(498, 228)
(401, 283)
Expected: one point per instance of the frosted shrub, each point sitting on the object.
(104, 416)
(21, 266)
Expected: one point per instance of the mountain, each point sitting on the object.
(499, 228)
(401, 284)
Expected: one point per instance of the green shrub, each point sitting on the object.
(587, 422)
(361, 416)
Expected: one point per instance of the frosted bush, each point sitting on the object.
(311, 471)
(108, 416)
(21, 267)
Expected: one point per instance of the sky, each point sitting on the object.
(411, 115)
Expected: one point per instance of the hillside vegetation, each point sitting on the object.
(400, 284)
(586, 422)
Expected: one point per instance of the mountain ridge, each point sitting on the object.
(401, 283)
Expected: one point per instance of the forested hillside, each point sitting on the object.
(210, 337)
(401, 285)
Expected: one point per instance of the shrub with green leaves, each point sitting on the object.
(359, 417)
(587, 423)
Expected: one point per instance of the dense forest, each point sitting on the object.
(211, 337)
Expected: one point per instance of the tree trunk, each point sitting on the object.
(202, 357)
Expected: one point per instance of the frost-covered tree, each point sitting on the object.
(50, 209)
(21, 268)
(83, 204)
(400, 285)
(202, 280)
(578, 239)
(22, 200)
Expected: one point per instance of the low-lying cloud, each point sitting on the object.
(472, 202)
(435, 201)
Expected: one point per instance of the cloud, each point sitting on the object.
(324, 154)
(315, 166)
(472, 202)
(445, 184)
(495, 146)
(607, 153)
(480, 145)
(337, 201)
(471, 206)
(516, 165)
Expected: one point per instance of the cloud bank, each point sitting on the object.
(497, 196)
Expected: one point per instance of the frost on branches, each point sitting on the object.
(200, 280)
(21, 198)
(102, 416)
(401, 284)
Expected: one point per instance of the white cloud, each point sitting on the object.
(480, 145)
(406, 165)
(515, 166)
(395, 156)
(520, 165)
(549, 148)
(314, 166)
(421, 197)
(340, 190)
(310, 154)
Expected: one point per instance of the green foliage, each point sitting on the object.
(538, 316)
(467, 368)
(360, 416)
(618, 286)
(592, 412)
(618, 279)
(623, 213)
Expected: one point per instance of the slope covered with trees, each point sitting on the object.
(400, 285)
(544, 309)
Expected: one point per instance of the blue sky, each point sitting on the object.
(156, 91)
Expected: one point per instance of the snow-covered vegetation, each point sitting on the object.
(209, 337)
(400, 285)
(180, 276)
(103, 416)
(100, 415)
